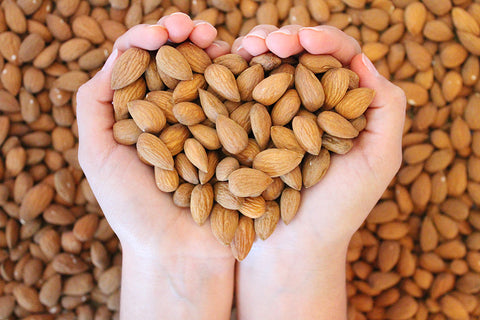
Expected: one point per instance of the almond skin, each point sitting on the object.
(315, 167)
(277, 162)
(188, 113)
(196, 153)
(266, 224)
(154, 152)
(196, 57)
(336, 125)
(201, 203)
(244, 237)
(129, 67)
(253, 207)
(226, 167)
(335, 84)
(289, 204)
(232, 136)
(222, 80)
(309, 88)
(171, 62)
(147, 116)
(308, 134)
(246, 182)
(223, 223)
(286, 108)
(260, 122)
(355, 103)
(270, 89)
(166, 180)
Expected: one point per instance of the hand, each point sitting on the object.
(165, 253)
(334, 209)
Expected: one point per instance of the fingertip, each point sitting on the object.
(203, 34)
(329, 40)
(284, 43)
(254, 45)
(148, 37)
(238, 48)
(217, 48)
(179, 26)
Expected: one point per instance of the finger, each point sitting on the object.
(284, 42)
(179, 26)
(218, 48)
(203, 33)
(385, 116)
(148, 37)
(237, 47)
(254, 41)
(95, 111)
(329, 40)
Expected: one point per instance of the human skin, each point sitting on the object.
(172, 268)
(299, 271)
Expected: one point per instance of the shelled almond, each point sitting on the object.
(197, 100)
(433, 201)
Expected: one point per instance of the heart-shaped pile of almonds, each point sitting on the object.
(233, 140)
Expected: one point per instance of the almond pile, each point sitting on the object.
(416, 257)
(228, 137)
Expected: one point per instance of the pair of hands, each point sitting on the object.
(148, 224)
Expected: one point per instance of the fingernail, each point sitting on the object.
(157, 26)
(180, 13)
(108, 64)
(317, 28)
(259, 33)
(219, 43)
(198, 23)
(283, 31)
(367, 63)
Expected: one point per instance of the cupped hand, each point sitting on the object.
(144, 218)
(334, 209)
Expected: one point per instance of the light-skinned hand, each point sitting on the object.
(168, 260)
(331, 211)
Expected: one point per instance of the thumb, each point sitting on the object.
(382, 139)
(95, 113)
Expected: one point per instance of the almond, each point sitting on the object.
(201, 203)
(337, 145)
(266, 224)
(188, 90)
(186, 169)
(355, 103)
(253, 207)
(195, 56)
(181, 196)
(248, 80)
(205, 177)
(206, 136)
(289, 204)
(173, 63)
(226, 167)
(222, 81)
(126, 132)
(232, 136)
(154, 152)
(261, 123)
(35, 201)
(319, 63)
(223, 223)
(134, 91)
(225, 198)
(211, 105)
(244, 237)
(286, 108)
(174, 137)
(336, 125)
(129, 67)
(309, 88)
(315, 167)
(196, 153)
(270, 89)
(147, 116)
(277, 162)
(307, 134)
(164, 100)
(293, 179)
(335, 84)
(166, 180)
(284, 138)
(188, 113)
(246, 182)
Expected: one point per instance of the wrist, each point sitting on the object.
(175, 286)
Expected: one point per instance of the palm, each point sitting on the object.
(142, 212)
